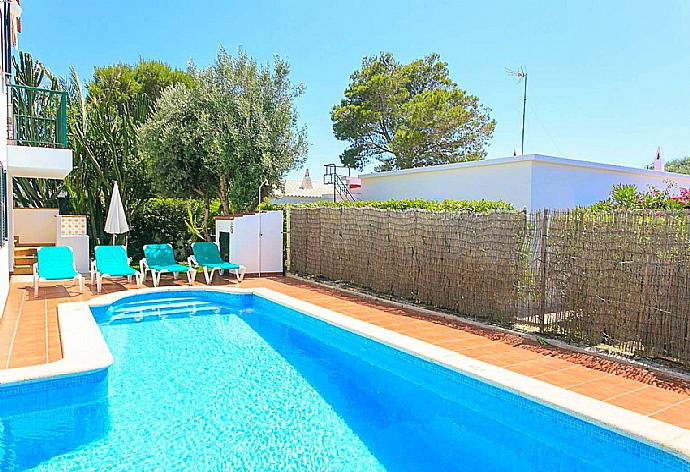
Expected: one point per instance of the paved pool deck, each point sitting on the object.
(29, 335)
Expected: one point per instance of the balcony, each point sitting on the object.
(37, 133)
(39, 117)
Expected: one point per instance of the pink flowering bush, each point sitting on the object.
(629, 197)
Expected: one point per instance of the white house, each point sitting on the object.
(31, 146)
(532, 181)
(303, 190)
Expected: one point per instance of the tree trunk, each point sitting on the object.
(207, 212)
(223, 192)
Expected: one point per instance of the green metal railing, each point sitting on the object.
(39, 116)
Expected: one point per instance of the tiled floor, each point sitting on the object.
(29, 335)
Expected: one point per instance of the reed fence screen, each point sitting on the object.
(616, 280)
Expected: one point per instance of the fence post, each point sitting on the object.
(542, 304)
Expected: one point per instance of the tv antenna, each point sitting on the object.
(521, 74)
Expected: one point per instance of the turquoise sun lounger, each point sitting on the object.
(112, 261)
(207, 256)
(55, 263)
(159, 259)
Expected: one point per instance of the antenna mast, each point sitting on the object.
(521, 74)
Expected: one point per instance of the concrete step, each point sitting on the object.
(20, 269)
(24, 252)
(25, 260)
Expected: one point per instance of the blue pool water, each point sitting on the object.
(205, 380)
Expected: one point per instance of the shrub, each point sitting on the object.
(478, 206)
(624, 197)
(168, 220)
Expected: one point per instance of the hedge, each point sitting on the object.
(167, 220)
(477, 206)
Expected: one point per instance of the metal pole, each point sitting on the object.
(259, 244)
(335, 185)
(524, 107)
(265, 182)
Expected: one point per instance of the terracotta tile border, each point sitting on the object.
(16, 328)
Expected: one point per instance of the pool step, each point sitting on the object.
(160, 306)
(149, 302)
(168, 310)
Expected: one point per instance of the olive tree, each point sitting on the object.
(233, 128)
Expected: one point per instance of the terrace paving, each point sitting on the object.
(29, 335)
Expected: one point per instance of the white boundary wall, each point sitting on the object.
(533, 181)
(35, 225)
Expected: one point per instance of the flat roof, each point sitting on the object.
(293, 188)
(529, 158)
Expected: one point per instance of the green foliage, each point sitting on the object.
(681, 166)
(32, 73)
(155, 76)
(114, 84)
(478, 206)
(624, 197)
(253, 123)
(32, 192)
(104, 141)
(167, 220)
(36, 193)
(219, 133)
(172, 142)
(102, 132)
(222, 136)
(409, 115)
(121, 84)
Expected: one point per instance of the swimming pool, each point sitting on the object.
(207, 380)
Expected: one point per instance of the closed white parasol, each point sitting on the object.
(116, 223)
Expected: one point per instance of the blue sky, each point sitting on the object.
(609, 81)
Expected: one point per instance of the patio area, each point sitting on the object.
(29, 335)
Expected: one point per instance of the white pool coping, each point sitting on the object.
(85, 350)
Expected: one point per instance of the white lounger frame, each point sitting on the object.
(156, 274)
(77, 278)
(239, 273)
(99, 277)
